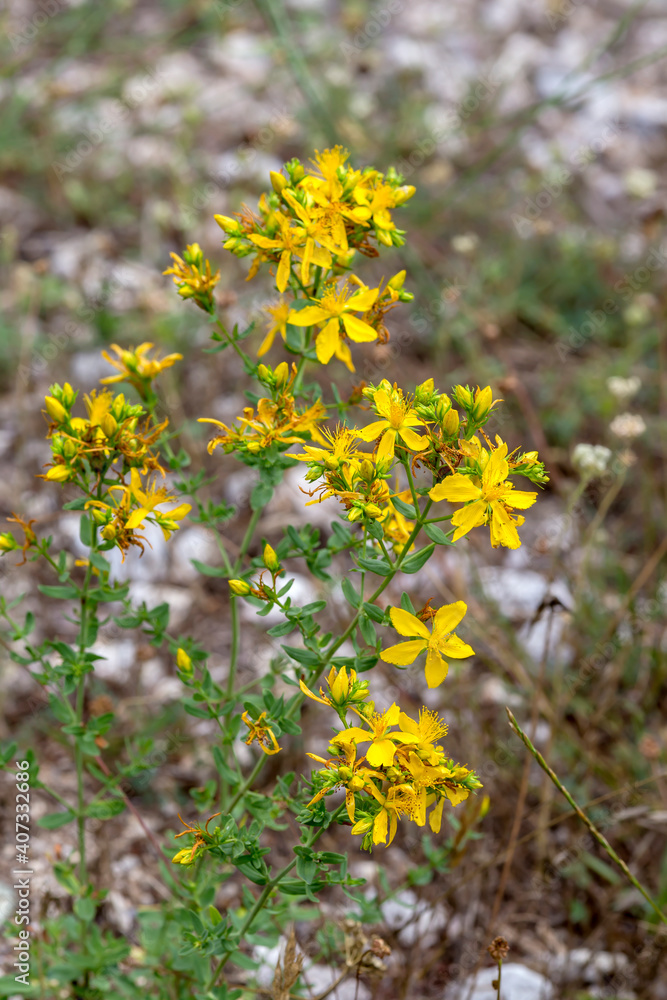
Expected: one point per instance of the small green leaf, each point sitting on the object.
(350, 594)
(84, 909)
(437, 535)
(415, 562)
(52, 821)
(406, 509)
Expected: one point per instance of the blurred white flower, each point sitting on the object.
(591, 459)
(624, 388)
(465, 243)
(627, 425)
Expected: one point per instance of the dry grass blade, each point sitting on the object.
(286, 975)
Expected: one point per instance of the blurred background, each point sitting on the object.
(535, 132)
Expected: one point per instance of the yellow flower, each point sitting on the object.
(136, 367)
(292, 241)
(185, 856)
(428, 729)
(192, 276)
(491, 502)
(383, 743)
(149, 499)
(399, 419)
(398, 801)
(434, 644)
(344, 689)
(279, 312)
(339, 449)
(334, 312)
(262, 733)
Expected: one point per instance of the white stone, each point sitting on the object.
(518, 982)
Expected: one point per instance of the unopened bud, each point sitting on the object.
(240, 588)
(397, 281)
(69, 448)
(183, 661)
(450, 423)
(55, 410)
(7, 542)
(270, 558)
(278, 181)
(463, 396)
(109, 425)
(482, 404)
(58, 474)
(281, 374)
(109, 533)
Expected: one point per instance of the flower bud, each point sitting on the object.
(240, 588)
(402, 194)
(278, 181)
(281, 374)
(7, 542)
(227, 223)
(109, 425)
(482, 404)
(99, 516)
(463, 396)
(372, 510)
(345, 772)
(397, 282)
(183, 662)
(450, 423)
(109, 533)
(270, 558)
(58, 474)
(55, 410)
(69, 448)
(67, 395)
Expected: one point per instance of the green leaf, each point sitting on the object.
(377, 566)
(86, 531)
(64, 593)
(350, 594)
(79, 504)
(415, 562)
(208, 570)
(375, 530)
(367, 630)
(283, 629)
(406, 509)
(437, 535)
(374, 612)
(314, 607)
(261, 495)
(304, 656)
(52, 821)
(84, 909)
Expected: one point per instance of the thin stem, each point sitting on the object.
(79, 706)
(601, 839)
(296, 704)
(266, 892)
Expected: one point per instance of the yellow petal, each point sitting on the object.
(308, 316)
(135, 519)
(407, 624)
(456, 648)
(456, 795)
(435, 819)
(414, 441)
(381, 753)
(436, 668)
(380, 828)
(503, 528)
(403, 653)
(357, 330)
(373, 430)
(448, 617)
(362, 300)
(456, 489)
(284, 270)
(387, 445)
(467, 518)
(519, 498)
(327, 341)
(309, 694)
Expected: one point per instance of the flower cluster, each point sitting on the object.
(112, 454)
(193, 277)
(390, 765)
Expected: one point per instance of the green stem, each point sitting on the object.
(319, 669)
(266, 892)
(247, 538)
(602, 840)
(79, 707)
